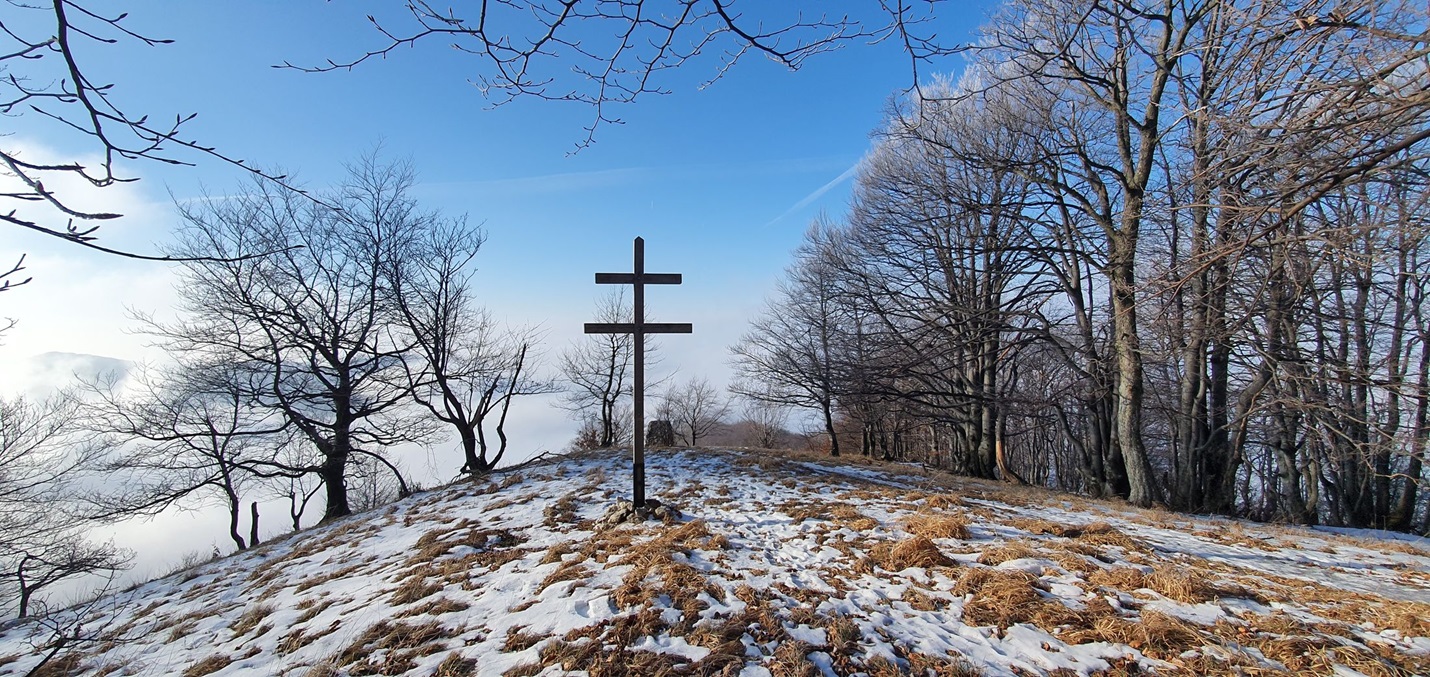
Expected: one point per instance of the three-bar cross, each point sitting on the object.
(639, 328)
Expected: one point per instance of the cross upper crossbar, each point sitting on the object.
(630, 328)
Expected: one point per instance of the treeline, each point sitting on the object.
(1169, 251)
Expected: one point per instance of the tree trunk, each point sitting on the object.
(253, 528)
(1142, 489)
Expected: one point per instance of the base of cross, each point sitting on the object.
(626, 512)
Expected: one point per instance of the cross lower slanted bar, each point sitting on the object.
(639, 328)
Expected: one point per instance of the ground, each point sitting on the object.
(781, 565)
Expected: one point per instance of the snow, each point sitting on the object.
(779, 564)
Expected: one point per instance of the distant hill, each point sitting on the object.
(783, 565)
(42, 374)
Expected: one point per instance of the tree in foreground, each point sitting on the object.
(466, 369)
(310, 331)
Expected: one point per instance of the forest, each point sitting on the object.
(1173, 254)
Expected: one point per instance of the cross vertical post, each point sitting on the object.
(638, 328)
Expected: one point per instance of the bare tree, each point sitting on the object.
(695, 408)
(468, 370)
(598, 372)
(42, 532)
(790, 355)
(185, 435)
(310, 328)
(766, 421)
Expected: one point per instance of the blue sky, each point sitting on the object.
(721, 181)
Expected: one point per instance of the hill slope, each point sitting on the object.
(782, 566)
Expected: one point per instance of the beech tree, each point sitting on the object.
(1197, 276)
(309, 329)
(467, 370)
(790, 355)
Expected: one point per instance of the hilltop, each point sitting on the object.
(782, 565)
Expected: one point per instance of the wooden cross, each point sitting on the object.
(638, 279)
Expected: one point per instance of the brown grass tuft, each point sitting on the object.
(413, 589)
(791, 659)
(915, 551)
(1007, 552)
(437, 607)
(560, 513)
(391, 648)
(1157, 635)
(251, 619)
(930, 525)
(518, 639)
(839, 513)
(999, 597)
(454, 665)
(942, 501)
(208, 665)
(299, 638)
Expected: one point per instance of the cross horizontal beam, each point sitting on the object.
(635, 278)
(646, 327)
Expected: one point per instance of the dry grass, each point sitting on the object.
(1096, 534)
(998, 597)
(413, 589)
(311, 608)
(454, 665)
(1155, 634)
(560, 513)
(208, 665)
(943, 501)
(839, 513)
(1179, 582)
(437, 607)
(1007, 552)
(251, 619)
(791, 659)
(62, 665)
(915, 551)
(438, 542)
(938, 666)
(299, 638)
(330, 576)
(602, 650)
(517, 639)
(388, 648)
(936, 525)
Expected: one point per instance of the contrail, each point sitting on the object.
(819, 192)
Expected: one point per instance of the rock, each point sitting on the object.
(625, 512)
(660, 434)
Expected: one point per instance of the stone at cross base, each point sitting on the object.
(624, 512)
(660, 434)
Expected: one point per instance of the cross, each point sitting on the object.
(638, 279)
